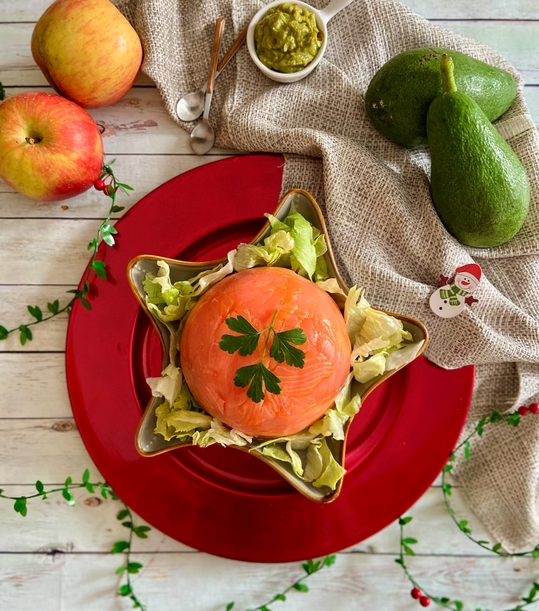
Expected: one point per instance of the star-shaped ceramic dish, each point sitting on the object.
(149, 443)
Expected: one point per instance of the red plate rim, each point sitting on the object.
(216, 199)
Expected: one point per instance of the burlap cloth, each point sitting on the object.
(382, 223)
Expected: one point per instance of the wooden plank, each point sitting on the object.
(464, 9)
(86, 582)
(137, 124)
(515, 40)
(48, 336)
(31, 10)
(40, 376)
(53, 524)
(58, 252)
(44, 449)
(143, 172)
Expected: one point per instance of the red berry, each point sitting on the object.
(416, 593)
(534, 408)
(523, 410)
(99, 184)
(109, 190)
(424, 601)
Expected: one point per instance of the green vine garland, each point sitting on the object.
(109, 185)
(129, 567)
(405, 549)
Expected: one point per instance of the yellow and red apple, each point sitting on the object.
(50, 148)
(87, 50)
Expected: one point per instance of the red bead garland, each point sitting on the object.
(424, 601)
(416, 593)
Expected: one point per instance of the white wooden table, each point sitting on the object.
(57, 557)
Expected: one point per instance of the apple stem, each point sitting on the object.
(33, 140)
(2, 93)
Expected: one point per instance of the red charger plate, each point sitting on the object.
(220, 500)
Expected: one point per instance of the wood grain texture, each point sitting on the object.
(203, 583)
(91, 526)
(515, 40)
(92, 204)
(31, 10)
(51, 335)
(33, 386)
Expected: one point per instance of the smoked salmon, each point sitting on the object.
(260, 295)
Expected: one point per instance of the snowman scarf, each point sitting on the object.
(450, 294)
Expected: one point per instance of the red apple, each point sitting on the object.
(50, 148)
(87, 50)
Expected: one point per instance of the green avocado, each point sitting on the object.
(479, 187)
(400, 93)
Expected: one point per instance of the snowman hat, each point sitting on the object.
(470, 268)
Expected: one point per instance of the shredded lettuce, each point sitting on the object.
(168, 385)
(292, 243)
(325, 470)
(170, 302)
(286, 454)
(219, 433)
(375, 336)
(274, 252)
(307, 451)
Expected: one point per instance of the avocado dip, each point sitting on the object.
(287, 38)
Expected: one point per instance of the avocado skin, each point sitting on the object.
(400, 93)
(479, 187)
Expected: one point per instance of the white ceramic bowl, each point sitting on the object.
(322, 18)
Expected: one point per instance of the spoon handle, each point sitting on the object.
(232, 51)
(219, 27)
(333, 8)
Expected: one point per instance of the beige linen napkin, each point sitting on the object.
(375, 196)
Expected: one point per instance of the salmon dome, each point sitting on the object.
(259, 295)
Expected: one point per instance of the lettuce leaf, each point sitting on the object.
(184, 420)
(298, 441)
(303, 257)
(330, 285)
(162, 411)
(271, 253)
(331, 425)
(203, 281)
(364, 371)
(286, 454)
(219, 433)
(322, 469)
(168, 385)
(403, 355)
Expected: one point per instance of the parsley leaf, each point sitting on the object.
(241, 325)
(246, 343)
(254, 376)
(258, 376)
(282, 349)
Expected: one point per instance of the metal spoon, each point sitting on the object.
(190, 107)
(203, 137)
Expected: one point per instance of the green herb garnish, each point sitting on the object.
(258, 376)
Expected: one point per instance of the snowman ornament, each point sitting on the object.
(451, 298)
